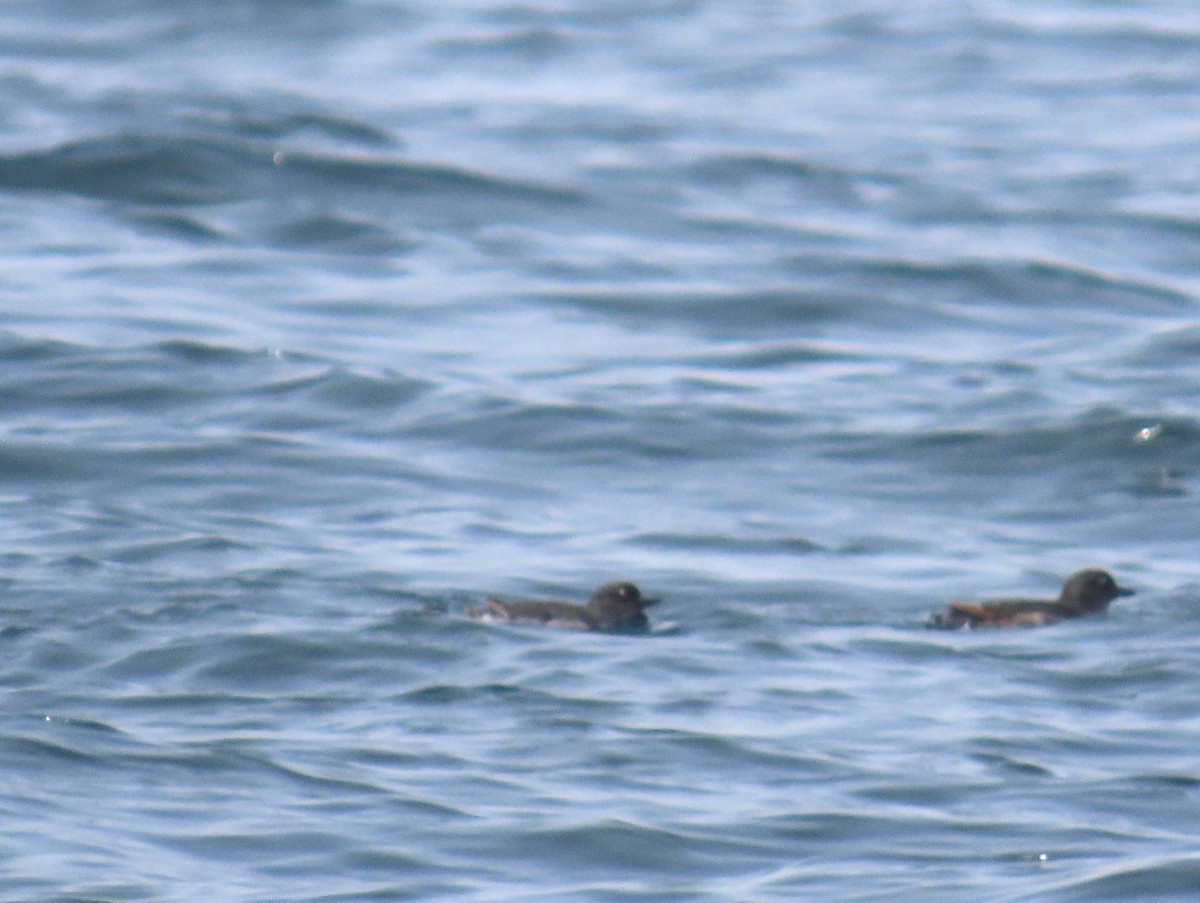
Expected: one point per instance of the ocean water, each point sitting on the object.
(320, 321)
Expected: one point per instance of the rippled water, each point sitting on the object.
(323, 320)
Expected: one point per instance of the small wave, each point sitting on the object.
(780, 545)
(511, 694)
(194, 352)
(713, 752)
(260, 661)
(722, 313)
(1165, 878)
(521, 47)
(1001, 284)
(799, 180)
(37, 753)
(248, 122)
(413, 178)
(615, 847)
(1008, 765)
(17, 348)
(261, 846)
(1179, 344)
(349, 389)
(771, 356)
(134, 168)
(187, 171)
(173, 548)
(338, 234)
(48, 462)
(1101, 437)
(191, 229)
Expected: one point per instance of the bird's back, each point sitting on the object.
(1001, 613)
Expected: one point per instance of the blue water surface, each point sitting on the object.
(321, 321)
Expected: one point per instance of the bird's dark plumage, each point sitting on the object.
(1089, 592)
(615, 607)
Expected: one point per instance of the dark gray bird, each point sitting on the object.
(614, 607)
(1086, 594)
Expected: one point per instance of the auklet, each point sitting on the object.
(614, 607)
(1087, 593)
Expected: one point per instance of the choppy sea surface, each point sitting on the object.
(321, 321)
